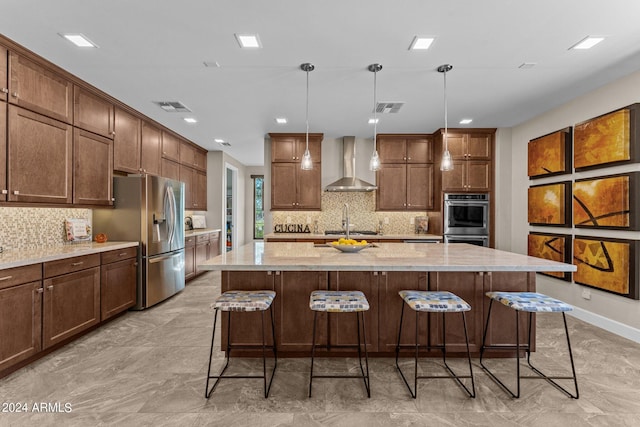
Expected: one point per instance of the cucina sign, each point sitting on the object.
(292, 228)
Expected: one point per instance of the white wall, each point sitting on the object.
(610, 311)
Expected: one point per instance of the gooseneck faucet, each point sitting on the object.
(345, 219)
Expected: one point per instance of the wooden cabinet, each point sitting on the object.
(4, 190)
(170, 169)
(472, 152)
(71, 301)
(92, 169)
(126, 142)
(203, 247)
(406, 177)
(291, 187)
(192, 156)
(92, 112)
(118, 278)
(170, 147)
(39, 158)
(195, 188)
(4, 83)
(468, 175)
(37, 88)
(150, 149)
(20, 314)
(189, 257)
(199, 249)
(214, 248)
(470, 145)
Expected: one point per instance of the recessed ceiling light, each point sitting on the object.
(190, 120)
(218, 140)
(248, 40)
(79, 40)
(527, 65)
(465, 121)
(587, 42)
(372, 121)
(421, 43)
(281, 120)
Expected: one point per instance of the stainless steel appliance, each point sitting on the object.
(466, 218)
(149, 209)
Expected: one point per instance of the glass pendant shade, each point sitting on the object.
(446, 164)
(307, 162)
(374, 163)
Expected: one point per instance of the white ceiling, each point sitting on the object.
(153, 50)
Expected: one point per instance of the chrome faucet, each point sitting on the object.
(345, 219)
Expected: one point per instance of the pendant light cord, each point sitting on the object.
(307, 113)
(446, 127)
(375, 108)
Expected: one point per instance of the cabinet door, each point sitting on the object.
(187, 176)
(39, 158)
(170, 169)
(117, 287)
(39, 89)
(199, 195)
(187, 154)
(126, 142)
(284, 149)
(455, 179)
(20, 323)
(342, 327)
(150, 153)
(478, 175)
(4, 84)
(214, 249)
(283, 195)
(420, 150)
(457, 144)
(92, 169)
(200, 160)
(392, 187)
(3, 152)
(92, 112)
(419, 187)
(390, 283)
(170, 147)
(468, 286)
(294, 325)
(309, 188)
(71, 305)
(392, 149)
(202, 252)
(479, 146)
(189, 258)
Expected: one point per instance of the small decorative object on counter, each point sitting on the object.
(101, 238)
(77, 230)
(422, 224)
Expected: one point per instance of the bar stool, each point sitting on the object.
(246, 301)
(530, 302)
(341, 302)
(435, 302)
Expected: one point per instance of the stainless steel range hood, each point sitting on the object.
(349, 182)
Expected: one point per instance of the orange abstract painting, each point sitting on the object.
(548, 155)
(553, 247)
(601, 202)
(605, 139)
(547, 204)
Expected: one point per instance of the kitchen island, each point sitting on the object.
(295, 269)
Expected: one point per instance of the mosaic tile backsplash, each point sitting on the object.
(362, 212)
(29, 228)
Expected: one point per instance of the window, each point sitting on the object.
(258, 206)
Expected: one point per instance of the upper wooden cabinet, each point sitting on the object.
(290, 147)
(170, 147)
(150, 149)
(468, 176)
(470, 145)
(39, 158)
(192, 156)
(3, 152)
(126, 142)
(92, 169)
(39, 89)
(92, 112)
(4, 84)
(195, 188)
(405, 148)
(170, 169)
(471, 151)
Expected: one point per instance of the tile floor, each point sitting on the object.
(148, 369)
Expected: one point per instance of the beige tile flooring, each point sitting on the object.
(148, 369)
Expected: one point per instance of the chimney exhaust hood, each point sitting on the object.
(349, 182)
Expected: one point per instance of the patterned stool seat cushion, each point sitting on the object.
(436, 301)
(338, 301)
(244, 301)
(529, 301)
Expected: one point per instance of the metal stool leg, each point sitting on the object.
(218, 377)
(365, 377)
(313, 349)
(415, 380)
(472, 392)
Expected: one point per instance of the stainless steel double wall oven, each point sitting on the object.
(466, 218)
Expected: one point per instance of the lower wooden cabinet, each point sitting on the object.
(189, 257)
(202, 251)
(198, 249)
(118, 278)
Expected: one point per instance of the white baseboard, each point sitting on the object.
(612, 326)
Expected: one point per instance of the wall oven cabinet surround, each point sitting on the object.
(406, 177)
(291, 187)
(472, 153)
(92, 112)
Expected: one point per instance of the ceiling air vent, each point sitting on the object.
(388, 107)
(172, 106)
(226, 144)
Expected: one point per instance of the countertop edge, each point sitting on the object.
(200, 231)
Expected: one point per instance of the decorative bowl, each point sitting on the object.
(350, 248)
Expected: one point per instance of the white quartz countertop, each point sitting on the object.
(199, 231)
(20, 257)
(412, 236)
(304, 256)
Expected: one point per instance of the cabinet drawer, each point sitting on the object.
(119, 255)
(190, 241)
(69, 265)
(18, 275)
(202, 238)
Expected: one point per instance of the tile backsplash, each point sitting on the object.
(29, 228)
(363, 215)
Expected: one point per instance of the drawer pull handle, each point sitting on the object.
(16, 192)
(4, 191)
(50, 287)
(39, 290)
(5, 90)
(5, 278)
(14, 94)
(77, 263)
(122, 254)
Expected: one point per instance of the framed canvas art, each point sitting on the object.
(554, 247)
(607, 264)
(549, 204)
(550, 154)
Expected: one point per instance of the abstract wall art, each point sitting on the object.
(549, 204)
(554, 247)
(550, 154)
(608, 139)
(607, 264)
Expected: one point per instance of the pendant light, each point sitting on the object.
(307, 162)
(374, 163)
(446, 164)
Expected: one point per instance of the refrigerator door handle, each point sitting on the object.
(174, 216)
(168, 211)
(164, 258)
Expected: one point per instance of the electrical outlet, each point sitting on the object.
(586, 294)
(386, 220)
(412, 221)
(288, 220)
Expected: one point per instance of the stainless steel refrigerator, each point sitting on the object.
(149, 209)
